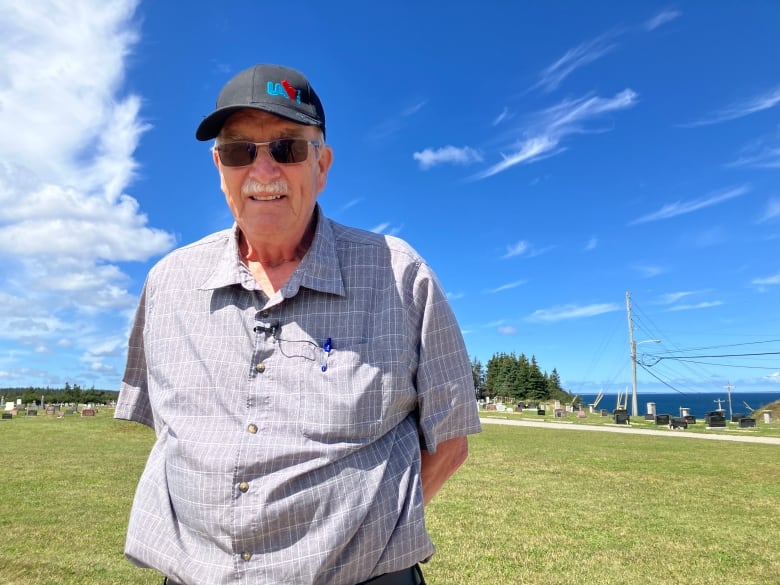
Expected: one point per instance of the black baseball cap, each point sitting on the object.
(271, 88)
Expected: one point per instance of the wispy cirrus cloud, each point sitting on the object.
(588, 52)
(677, 208)
(762, 157)
(502, 117)
(649, 270)
(741, 109)
(517, 249)
(397, 122)
(671, 298)
(430, 157)
(694, 307)
(566, 312)
(508, 286)
(508, 330)
(765, 281)
(592, 244)
(554, 124)
(387, 229)
(661, 19)
(771, 211)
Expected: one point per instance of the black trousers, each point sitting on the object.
(411, 576)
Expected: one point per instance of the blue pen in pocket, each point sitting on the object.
(326, 352)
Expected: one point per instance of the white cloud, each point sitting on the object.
(662, 18)
(683, 207)
(749, 106)
(507, 330)
(592, 244)
(767, 280)
(566, 312)
(447, 154)
(66, 218)
(649, 270)
(773, 377)
(772, 210)
(763, 158)
(702, 305)
(556, 123)
(507, 286)
(671, 298)
(517, 249)
(387, 229)
(504, 115)
(573, 59)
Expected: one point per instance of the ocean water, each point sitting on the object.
(698, 404)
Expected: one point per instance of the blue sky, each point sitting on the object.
(545, 158)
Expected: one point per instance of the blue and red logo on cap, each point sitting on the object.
(284, 89)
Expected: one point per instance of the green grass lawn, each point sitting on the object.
(535, 506)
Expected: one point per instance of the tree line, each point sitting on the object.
(518, 379)
(68, 394)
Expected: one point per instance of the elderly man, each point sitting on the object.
(307, 382)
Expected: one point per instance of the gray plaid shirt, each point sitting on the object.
(277, 461)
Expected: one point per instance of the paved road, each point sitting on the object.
(714, 436)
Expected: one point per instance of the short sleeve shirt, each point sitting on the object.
(289, 428)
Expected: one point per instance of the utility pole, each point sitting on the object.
(634, 407)
(729, 388)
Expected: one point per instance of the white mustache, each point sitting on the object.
(255, 187)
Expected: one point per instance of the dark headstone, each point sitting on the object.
(540, 411)
(621, 417)
(662, 419)
(735, 418)
(715, 419)
(7, 416)
(747, 423)
(678, 422)
(690, 419)
(32, 412)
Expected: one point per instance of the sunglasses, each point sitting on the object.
(285, 151)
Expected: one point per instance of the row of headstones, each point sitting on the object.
(34, 412)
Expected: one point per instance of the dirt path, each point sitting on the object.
(715, 436)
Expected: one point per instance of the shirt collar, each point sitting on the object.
(319, 269)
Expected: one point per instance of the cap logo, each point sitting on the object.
(284, 89)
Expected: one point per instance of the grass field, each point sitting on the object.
(531, 506)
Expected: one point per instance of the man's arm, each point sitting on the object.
(437, 468)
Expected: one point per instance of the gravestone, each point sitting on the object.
(7, 416)
(747, 423)
(689, 419)
(540, 411)
(32, 412)
(662, 419)
(715, 420)
(621, 416)
(678, 422)
(735, 418)
(88, 412)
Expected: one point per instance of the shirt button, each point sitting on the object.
(260, 367)
(265, 314)
(252, 429)
(243, 487)
(246, 555)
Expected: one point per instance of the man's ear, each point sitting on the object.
(215, 156)
(323, 166)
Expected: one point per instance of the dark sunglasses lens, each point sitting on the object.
(237, 154)
(289, 150)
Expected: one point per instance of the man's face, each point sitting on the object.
(272, 202)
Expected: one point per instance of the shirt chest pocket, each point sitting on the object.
(349, 401)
